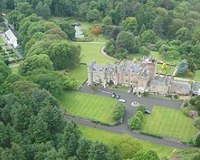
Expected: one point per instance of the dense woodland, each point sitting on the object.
(32, 125)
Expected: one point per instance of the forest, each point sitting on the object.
(32, 125)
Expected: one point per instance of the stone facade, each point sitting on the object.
(140, 77)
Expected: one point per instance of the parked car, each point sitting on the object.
(122, 100)
(114, 95)
(147, 111)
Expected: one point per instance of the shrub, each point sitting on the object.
(198, 140)
(96, 29)
(141, 108)
(119, 112)
(196, 122)
(135, 122)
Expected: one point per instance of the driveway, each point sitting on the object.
(149, 101)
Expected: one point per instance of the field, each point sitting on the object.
(89, 106)
(197, 75)
(169, 70)
(171, 123)
(79, 74)
(127, 144)
(170, 59)
(92, 51)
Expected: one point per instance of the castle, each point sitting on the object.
(140, 77)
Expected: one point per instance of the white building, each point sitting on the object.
(11, 38)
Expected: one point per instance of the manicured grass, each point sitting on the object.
(91, 52)
(169, 70)
(170, 59)
(171, 123)
(197, 75)
(89, 106)
(79, 74)
(127, 144)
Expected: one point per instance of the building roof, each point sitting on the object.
(11, 38)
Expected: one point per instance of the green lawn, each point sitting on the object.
(127, 144)
(170, 123)
(79, 74)
(168, 71)
(197, 75)
(91, 52)
(89, 106)
(170, 59)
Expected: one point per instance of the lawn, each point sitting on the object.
(169, 70)
(91, 52)
(170, 59)
(14, 69)
(79, 74)
(97, 108)
(197, 75)
(171, 123)
(127, 144)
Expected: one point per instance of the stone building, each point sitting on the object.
(140, 77)
(133, 75)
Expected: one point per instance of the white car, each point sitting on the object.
(134, 104)
(122, 100)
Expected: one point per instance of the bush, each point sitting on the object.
(135, 122)
(141, 108)
(96, 29)
(119, 112)
(176, 96)
(198, 140)
(196, 122)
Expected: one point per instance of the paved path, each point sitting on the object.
(123, 128)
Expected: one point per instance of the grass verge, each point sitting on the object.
(127, 144)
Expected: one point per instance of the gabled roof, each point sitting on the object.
(9, 34)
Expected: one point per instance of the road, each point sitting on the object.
(149, 102)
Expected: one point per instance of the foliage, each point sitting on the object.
(182, 67)
(135, 122)
(195, 102)
(35, 62)
(96, 29)
(196, 122)
(119, 112)
(141, 108)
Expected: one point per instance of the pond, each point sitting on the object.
(79, 33)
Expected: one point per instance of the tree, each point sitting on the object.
(5, 71)
(43, 10)
(98, 151)
(64, 55)
(114, 154)
(198, 140)
(129, 24)
(35, 62)
(93, 15)
(182, 67)
(127, 41)
(164, 66)
(68, 29)
(119, 112)
(148, 36)
(83, 149)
